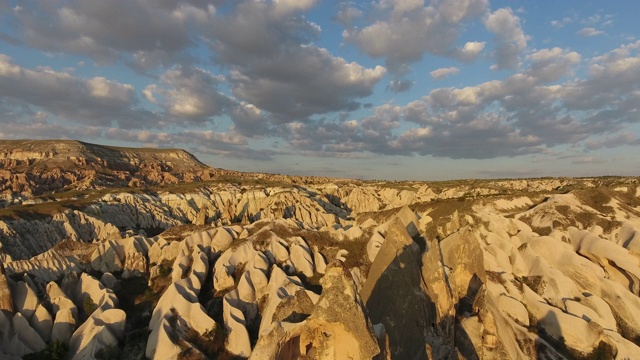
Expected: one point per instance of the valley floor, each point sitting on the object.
(513, 269)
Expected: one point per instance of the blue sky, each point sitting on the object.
(387, 89)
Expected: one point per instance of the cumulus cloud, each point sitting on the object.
(94, 101)
(598, 18)
(278, 70)
(444, 72)
(509, 36)
(589, 31)
(347, 15)
(249, 120)
(227, 144)
(259, 64)
(530, 112)
(109, 31)
(408, 30)
(469, 52)
(187, 92)
(342, 139)
(552, 64)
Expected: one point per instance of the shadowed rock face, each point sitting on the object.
(394, 296)
(6, 302)
(547, 269)
(337, 327)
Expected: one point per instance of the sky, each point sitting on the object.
(395, 90)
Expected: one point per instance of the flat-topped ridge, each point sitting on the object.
(74, 149)
(35, 167)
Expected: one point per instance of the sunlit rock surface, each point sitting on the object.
(291, 268)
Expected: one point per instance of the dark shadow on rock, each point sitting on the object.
(465, 305)
(394, 296)
(408, 291)
(463, 343)
(550, 347)
(549, 325)
(337, 202)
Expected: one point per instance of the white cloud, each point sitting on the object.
(470, 51)
(562, 22)
(189, 93)
(225, 144)
(552, 64)
(509, 36)
(589, 31)
(444, 72)
(100, 87)
(589, 160)
(531, 112)
(94, 101)
(348, 15)
(273, 64)
(249, 120)
(155, 32)
(283, 8)
(409, 29)
(280, 85)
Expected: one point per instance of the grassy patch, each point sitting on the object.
(595, 198)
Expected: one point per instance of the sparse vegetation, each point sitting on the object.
(165, 269)
(496, 277)
(56, 350)
(109, 353)
(535, 283)
(88, 306)
(209, 344)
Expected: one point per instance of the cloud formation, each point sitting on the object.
(408, 29)
(189, 93)
(509, 36)
(444, 72)
(589, 31)
(342, 80)
(93, 101)
(111, 31)
(525, 113)
(275, 67)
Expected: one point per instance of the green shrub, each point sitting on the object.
(89, 306)
(56, 350)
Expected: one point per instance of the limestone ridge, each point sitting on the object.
(34, 167)
(30, 152)
(31, 171)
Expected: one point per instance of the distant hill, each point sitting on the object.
(34, 167)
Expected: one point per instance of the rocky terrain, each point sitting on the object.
(36, 167)
(291, 268)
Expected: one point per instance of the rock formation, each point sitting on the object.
(282, 267)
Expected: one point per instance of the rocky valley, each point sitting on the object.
(123, 253)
